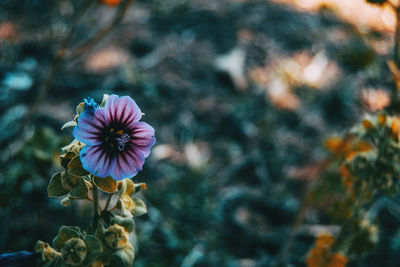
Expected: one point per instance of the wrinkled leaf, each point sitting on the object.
(80, 108)
(72, 123)
(55, 187)
(66, 158)
(94, 248)
(107, 184)
(75, 167)
(80, 191)
(127, 223)
(140, 207)
(64, 234)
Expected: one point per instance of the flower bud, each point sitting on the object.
(116, 237)
(48, 253)
(74, 251)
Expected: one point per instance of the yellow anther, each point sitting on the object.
(111, 130)
(120, 132)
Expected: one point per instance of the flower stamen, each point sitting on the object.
(122, 140)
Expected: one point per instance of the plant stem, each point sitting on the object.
(89, 44)
(342, 233)
(96, 213)
(108, 201)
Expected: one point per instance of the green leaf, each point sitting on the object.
(55, 187)
(66, 158)
(127, 223)
(107, 184)
(94, 248)
(75, 167)
(103, 102)
(65, 233)
(72, 123)
(140, 207)
(80, 191)
(80, 108)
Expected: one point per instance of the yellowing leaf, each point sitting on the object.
(321, 256)
(382, 118)
(337, 145)
(367, 124)
(107, 184)
(75, 167)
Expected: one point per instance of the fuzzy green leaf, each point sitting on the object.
(64, 234)
(75, 167)
(140, 207)
(127, 223)
(107, 184)
(94, 248)
(66, 158)
(55, 187)
(72, 123)
(80, 191)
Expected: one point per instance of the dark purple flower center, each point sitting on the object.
(115, 139)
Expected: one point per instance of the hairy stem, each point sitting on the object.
(108, 201)
(96, 214)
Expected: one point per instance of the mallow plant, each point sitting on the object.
(110, 146)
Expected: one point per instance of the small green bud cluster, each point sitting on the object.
(72, 247)
(368, 158)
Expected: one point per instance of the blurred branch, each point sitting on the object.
(55, 66)
(57, 62)
(307, 201)
(89, 44)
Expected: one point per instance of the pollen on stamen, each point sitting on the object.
(120, 132)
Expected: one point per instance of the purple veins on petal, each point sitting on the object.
(96, 161)
(122, 110)
(143, 137)
(90, 127)
(127, 164)
(116, 142)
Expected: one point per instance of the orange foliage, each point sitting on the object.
(356, 12)
(346, 176)
(320, 255)
(346, 146)
(111, 2)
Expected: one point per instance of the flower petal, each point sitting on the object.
(128, 163)
(90, 126)
(96, 161)
(122, 110)
(142, 137)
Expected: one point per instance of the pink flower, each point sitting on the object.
(117, 143)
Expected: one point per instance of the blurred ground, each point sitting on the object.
(241, 94)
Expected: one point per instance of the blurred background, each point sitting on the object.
(242, 94)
